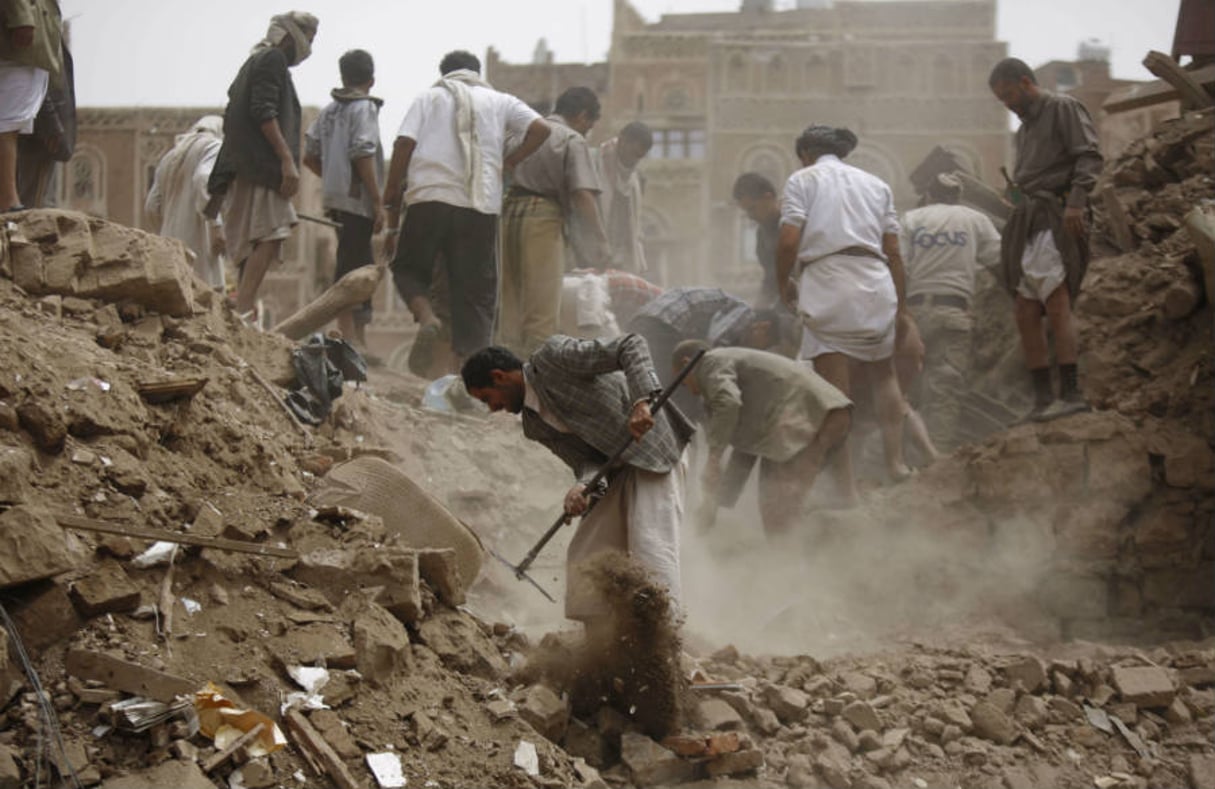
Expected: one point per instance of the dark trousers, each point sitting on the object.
(462, 241)
(354, 251)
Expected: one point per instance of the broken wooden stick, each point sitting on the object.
(219, 543)
(119, 674)
(317, 752)
(354, 288)
(227, 753)
(1191, 92)
(295, 420)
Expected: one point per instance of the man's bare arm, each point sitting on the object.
(398, 171)
(537, 133)
(787, 242)
(313, 163)
(894, 259)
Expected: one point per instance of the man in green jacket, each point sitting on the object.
(764, 405)
(31, 60)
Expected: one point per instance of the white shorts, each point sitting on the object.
(22, 89)
(1041, 268)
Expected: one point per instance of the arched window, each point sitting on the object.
(944, 75)
(777, 78)
(737, 77)
(84, 187)
(816, 78)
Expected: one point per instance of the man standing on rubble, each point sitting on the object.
(943, 243)
(343, 147)
(257, 171)
(448, 155)
(583, 399)
(177, 202)
(552, 198)
(620, 199)
(1045, 248)
(757, 198)
(765, 405)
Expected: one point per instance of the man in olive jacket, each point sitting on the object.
(257, 171)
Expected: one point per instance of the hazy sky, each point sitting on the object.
(173, 52)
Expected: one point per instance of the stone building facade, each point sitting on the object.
(729, 92)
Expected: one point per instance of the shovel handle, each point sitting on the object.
(655, 406)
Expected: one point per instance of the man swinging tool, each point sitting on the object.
(583, 399)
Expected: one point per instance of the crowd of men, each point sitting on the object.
(488, 209)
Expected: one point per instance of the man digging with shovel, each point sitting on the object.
(584, 399)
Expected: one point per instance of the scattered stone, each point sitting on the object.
(586, 742)
(991, 723)
(380, 642)
(863, 685)
(1063, 684)
(16, 466)
(1065, 709)
(737, 763)
(440, 568)
(1027, 671)
(717, 715)
(788, 703)
(1003, 699)
(330, 726)
(258, 774)
(178, 774)
(862, 716)
(8, 418)
(1144, 686)
(1031, 711)
(106, 590)
(461, 645)
(45, 426)
(652, 765)
(1178, 713)
(501, 709)
(978, 681)
(1202, 771)
(869, 740)
(10, 773)
(32, 547)
(547, 712)
(845, 734)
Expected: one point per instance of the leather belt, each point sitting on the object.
(940, 300)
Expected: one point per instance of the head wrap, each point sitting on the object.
(821, 139)
(946, 186)
(209, 124)
(299, 25)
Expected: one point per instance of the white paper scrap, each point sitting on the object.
(386, 767)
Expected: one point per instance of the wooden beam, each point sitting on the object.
(230, 751)
(119, 674)
(1193, 95)
(219, 543)
(1158, 92)
(1115, 216)
(317, 752)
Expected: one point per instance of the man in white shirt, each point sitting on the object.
(839, 230)
(943, 243)
(449, 152)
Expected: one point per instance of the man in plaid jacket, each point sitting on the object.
(583, 399)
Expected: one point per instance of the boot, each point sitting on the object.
(1043, 393)
(1070, 401)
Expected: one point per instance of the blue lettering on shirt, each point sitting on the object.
(924, 239)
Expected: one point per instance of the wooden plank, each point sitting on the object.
(1158, 92)
(114, 672)
(1115, 215)
(1193, 95)
(317, 751)
(219, 543)
(230, 751)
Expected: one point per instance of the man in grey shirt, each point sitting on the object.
(552, 197)
(343, 147)
(1045, 247)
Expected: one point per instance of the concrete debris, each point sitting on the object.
(106, 590)
(652, 765)
(547, 712)
(32, 547)
(1144, 686)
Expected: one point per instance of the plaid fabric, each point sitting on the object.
(629, 293)
(591, 386)
(708, 314)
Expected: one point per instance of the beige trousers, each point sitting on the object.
(533, 266)
(640, 516)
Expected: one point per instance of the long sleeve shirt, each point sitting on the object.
(1057, 149)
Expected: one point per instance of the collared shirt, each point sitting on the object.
(942, 245)
(708, 314)
(1057, 149)
(559, 167)
(436, 169)
(837, 206)
(347, 129)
